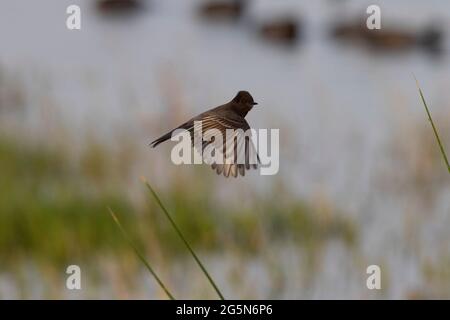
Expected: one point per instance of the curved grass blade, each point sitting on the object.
(433, 126)
(138, 253)
(172, 222)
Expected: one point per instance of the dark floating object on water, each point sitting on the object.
(348, 31)
(223, 9)
(119, 7)
(282, 30)
(393, 39)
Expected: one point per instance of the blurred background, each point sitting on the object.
(361, 179)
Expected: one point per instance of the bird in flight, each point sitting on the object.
(223, 118)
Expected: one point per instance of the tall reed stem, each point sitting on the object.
(172, 222)
(433, 126)
(138, 253)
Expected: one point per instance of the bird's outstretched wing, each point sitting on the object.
(236, 150)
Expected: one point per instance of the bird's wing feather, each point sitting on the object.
(239, 147)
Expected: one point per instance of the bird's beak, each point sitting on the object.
(254, 103)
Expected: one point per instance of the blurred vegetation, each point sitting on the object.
(53, 210)
(210, 226)
(46, 211)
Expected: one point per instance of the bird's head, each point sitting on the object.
(243, 102)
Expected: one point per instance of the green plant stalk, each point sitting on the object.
(434, 127)
(138, 253)
(172, 222)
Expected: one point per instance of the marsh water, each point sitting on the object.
(353, 132)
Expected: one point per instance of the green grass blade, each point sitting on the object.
(172, 222)
(444, 155)
(138, 253)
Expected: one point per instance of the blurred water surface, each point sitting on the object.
(352, 128)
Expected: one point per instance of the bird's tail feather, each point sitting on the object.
(168, 135)
(161, 139)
